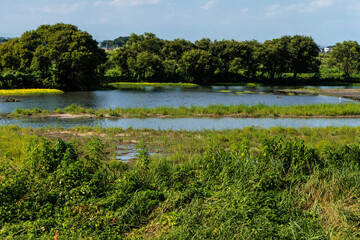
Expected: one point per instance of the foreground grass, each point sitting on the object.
(279, 183)
(260, 110)
(136, 85)
(22, 92)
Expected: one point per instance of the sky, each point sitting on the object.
(327, 21)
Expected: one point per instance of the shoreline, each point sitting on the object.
(159, 116)
(344, 93)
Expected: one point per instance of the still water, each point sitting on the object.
(191, 124)
(154, 97)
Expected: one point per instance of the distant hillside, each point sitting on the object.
(118, 42)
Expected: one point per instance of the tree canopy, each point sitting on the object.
(146, 57)
(54, 56)
(62, 56)
(346, 56)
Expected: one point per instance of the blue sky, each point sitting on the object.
(327, 21)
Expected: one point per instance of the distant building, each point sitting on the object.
(3, 40)
(326, 49)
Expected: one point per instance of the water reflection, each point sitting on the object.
(191, 124)
(154, 97)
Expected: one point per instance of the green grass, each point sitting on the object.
(280, 183)
(260, 110)
(136, 85)
(22, 92)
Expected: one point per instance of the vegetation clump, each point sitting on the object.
(9, 99)
(253, 183)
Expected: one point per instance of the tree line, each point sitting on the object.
(62, 56)
(146, 57)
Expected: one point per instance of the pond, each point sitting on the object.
(154, 97)
(191, 124)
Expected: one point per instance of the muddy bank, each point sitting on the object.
(343, 93)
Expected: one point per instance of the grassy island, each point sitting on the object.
(247, 184)
(24, 92)
(240, 111)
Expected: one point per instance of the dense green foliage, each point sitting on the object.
(61, 56)
(239, 184)
(346, 55)
(146, 57)
(52, 56)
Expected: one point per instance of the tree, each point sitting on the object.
(173, 50)
(61, 54)
(203, 44)
(303, 53)
(8, 58)
(224, 52)
(274, 56)
(346, 56)
(196, 65)
(145, 65)
(117, 42)
(146, 42)
(247, 58)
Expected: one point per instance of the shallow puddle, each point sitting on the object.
(127, 152)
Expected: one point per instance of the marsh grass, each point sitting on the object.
(24, 92)
(259, 110)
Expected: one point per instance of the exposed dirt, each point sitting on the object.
(66, 115)
(77, 116)
(344, 93)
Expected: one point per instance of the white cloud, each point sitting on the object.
(275, 10)
(278, 10)
(244, 10)
(353, 6)
(171, 15)
(61, 8)
(132, 3)
(322, 3)
(208, 5)
(98, 3)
